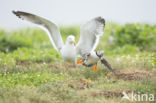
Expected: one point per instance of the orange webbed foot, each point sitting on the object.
(95, 68)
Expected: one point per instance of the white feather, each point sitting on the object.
(51, 28)
(68, 51)
(89, 35)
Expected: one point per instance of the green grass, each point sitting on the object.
(31, 71)
(13, 80)
(46, 81)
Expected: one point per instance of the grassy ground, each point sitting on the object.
(33, 72)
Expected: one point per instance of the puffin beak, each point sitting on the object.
(79, 62)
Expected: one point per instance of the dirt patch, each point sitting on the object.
(56, 66)
(24, 63)
(84, 83)
(154, 72)
(81, 84)
(133, 75)
(106, 94)
(109, 94)
(62, 65)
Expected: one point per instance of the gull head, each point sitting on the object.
(70, 40)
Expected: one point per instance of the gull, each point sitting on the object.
(67, 50)
(89, 38)
(90, 33)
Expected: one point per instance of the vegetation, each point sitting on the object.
(135, 34)
(31, 71)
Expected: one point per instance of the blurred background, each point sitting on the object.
(72, 12)
(129, 23)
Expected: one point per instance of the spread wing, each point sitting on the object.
(89, 35)
(51, 29)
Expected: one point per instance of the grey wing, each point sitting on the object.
(51, 29)
(89, 35)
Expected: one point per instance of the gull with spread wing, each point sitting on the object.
(67, 50)
(89, 37)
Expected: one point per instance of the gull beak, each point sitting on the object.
(73, 42)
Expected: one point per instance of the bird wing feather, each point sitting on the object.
(89, 35)
(51, 28)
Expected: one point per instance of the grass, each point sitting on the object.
(34, 72)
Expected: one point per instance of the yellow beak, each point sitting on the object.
(73, 42)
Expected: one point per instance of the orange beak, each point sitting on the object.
(79, 62)
(95, 68)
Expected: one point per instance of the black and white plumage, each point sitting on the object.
(90, 60)
(89, 36)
